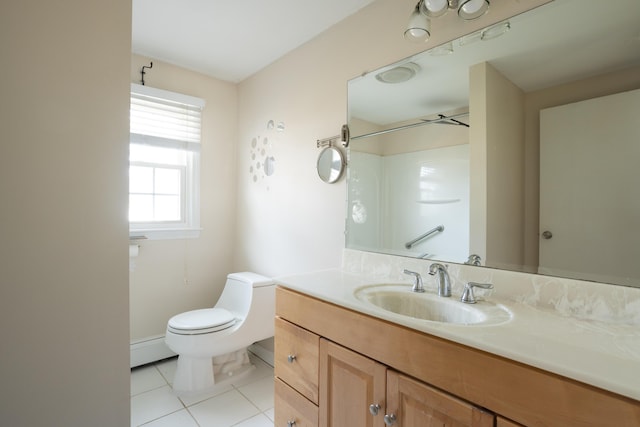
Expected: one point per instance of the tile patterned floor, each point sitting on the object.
(245, 402)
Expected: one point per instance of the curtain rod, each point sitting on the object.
(413, 125)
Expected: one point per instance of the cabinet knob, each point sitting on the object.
(374, 408)
(390, 419)
(291, 423)
(547, 235)
(291, 358)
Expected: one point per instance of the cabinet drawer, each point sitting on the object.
(296, 358)
(290, 406)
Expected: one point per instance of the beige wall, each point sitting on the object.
(497, 156)
(292, 221)
(63, 223)
(172, 276)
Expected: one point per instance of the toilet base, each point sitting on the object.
(195, 375)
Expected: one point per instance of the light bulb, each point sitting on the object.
(472, 9)
(434, 8)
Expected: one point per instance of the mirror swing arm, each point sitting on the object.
(343, 137)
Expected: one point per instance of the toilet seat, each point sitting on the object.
(201, 321)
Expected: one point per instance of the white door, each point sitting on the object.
(590, 189)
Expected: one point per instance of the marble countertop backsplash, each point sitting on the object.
(567, 297)
(583, 330)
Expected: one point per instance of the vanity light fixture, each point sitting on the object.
(419, 28)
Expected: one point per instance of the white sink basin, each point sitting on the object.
(399, 299)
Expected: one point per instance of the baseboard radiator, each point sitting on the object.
(148, 350)
(152, 349)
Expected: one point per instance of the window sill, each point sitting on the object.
(164, 234)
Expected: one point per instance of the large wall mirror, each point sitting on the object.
(519, 143)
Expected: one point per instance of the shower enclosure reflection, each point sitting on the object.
(412, 182)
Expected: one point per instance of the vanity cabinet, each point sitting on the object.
(358, 391)
(332, 363)
(321, 383)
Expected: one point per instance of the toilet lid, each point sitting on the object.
(201, 321)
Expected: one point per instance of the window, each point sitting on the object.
(164, 159)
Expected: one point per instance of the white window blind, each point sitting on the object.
(165, 119)
(164, 162)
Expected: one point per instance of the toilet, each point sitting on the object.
(212, 342)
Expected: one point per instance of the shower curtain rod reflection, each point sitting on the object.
(443, 119)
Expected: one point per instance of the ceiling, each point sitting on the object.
(231, 39)
(545, 47)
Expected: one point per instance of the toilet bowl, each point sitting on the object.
(213, 341)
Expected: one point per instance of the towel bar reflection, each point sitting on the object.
(438, 229)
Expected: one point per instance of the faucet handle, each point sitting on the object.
(467, 294)
(474, 259)
(417, 286)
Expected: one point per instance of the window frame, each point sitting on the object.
(189, 225)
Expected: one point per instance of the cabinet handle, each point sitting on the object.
(390, 419)
(291, 423)
(291, 358)
(374, 408)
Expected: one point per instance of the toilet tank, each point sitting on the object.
(238, 292)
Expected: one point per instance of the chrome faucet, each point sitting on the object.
(417, 285)
(444, 285)
(474, 260)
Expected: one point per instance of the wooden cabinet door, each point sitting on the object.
(415, 404)
(349, 384)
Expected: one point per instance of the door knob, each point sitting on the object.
(547, 235)
(374, 408)
(390, 419)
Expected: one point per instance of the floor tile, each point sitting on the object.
(145, 378)
(167, 368)
(259, 420)
(218, 389)
(178, 419)
(153, 404)
(225, 410)
(271, 413)
(260, 393)
(262, 370)
(235, 401)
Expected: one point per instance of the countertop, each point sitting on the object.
(599, 350)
